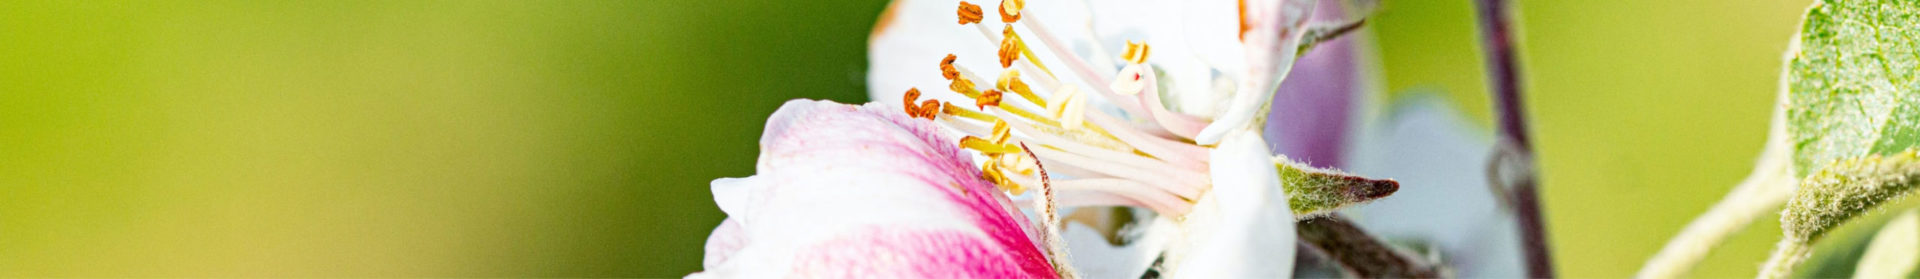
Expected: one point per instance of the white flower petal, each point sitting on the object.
(905, 49)
(1243, 228)
(1271, 45)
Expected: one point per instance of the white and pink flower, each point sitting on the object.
(866, 191)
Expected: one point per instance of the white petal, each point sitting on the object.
(1180, 33)
(731, 194)
(1271, 46)
(1249, 232)
(905, 49)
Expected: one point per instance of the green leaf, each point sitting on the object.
(1314, 192)
(1894, 250)
(1852, 82)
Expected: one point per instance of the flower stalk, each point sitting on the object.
(1503, 72)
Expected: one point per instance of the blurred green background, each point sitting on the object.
(576, 138)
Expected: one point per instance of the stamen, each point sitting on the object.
(1009, 51)
(1074, 193)
(1177, 153)
(964, 86)
(926, 109)
(1143, 175)
(1244, 24)
(1021, 46)
(1010, 10)
(989, 98)
(1046, 80)
(1069, 106)
(1130, 80)
(987, 146)
(1036, 118)
(946, 67)
(913, 94)
(951, 109)
(1110, 154)
(1001, 133)
(970, 13)
(1088, 73)
(1136, 53)
(1180, 124)
(1022, 165)
(1134, 193)
(1010, 81)
(991, 172)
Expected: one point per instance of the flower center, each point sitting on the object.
(1105, 160)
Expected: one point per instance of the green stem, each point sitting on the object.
(1788, 255)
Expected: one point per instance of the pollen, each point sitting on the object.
(927, 109)
(986, 99)
(1010, 10)
(1009, 50)
(946, 67)
(1136, 53)
(969, 13)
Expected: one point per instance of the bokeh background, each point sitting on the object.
(576, 138)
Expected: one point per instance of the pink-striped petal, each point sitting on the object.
(866, 191)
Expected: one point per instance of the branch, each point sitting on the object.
(1502, 71)
(1359, 254)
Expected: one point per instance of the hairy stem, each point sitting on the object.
(1785, 257)
(1359, 254)
(1503, 72)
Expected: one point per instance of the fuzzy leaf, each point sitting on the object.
(1313, 192)
(1852, 82)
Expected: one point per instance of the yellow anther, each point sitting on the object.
(1136, 53)
(1010, 81)
(964, 87)
(986, 146)
(1010, 10)
(969, 13)
(1069, 107)
(1007, 79)
(992, 172)
(1018, 163)
(1012, 45)
(1001, 132)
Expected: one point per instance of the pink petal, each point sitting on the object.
(846, 190)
